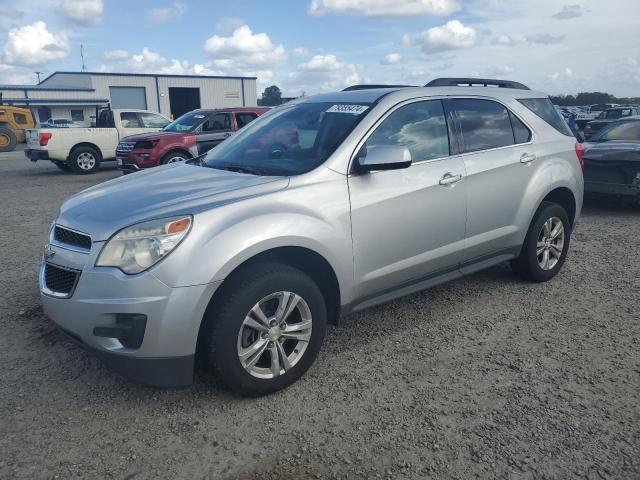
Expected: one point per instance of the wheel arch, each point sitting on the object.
(86, 144)
(176, 149)
(564, 197)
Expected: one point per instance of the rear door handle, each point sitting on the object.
(449, 179)
(526, 158)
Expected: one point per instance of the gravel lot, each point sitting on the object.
(485, 377)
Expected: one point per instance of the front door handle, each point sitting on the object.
(526, 158)
(450, 179)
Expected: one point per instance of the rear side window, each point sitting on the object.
(543, 108)
(20, 118)
(419, 126)
(130, 120)
(485, 124)
(217, 122)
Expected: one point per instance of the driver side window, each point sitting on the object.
(419, 126)
(217, 122)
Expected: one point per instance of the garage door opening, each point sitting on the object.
(128, 97)
(183, 100)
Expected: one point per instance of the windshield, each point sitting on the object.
(616, 113)
(186, 122)
(288, 140)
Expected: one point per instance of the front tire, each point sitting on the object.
(84, 160)
(8, 140)
(267, 329)
(174, 157)
(546, 245)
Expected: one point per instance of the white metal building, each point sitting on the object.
(75, 95)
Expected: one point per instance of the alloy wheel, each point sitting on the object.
(550, 245)
(86, 161)
(274, 335)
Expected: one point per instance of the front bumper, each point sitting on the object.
(35, 155)
(165, 355)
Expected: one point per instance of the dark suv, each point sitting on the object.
(192, 134)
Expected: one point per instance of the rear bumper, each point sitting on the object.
(612, 189)
(35, 155)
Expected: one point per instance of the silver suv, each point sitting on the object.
(321, 207)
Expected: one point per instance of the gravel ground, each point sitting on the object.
(485, 377)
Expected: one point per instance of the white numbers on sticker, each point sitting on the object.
(352, 109)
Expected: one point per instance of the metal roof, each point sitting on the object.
(45, 88)
(120, 74)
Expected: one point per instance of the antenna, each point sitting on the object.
(84, 67)
(38, 75)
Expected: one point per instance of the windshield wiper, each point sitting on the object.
(240, 169)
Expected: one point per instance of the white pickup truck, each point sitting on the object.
(81, 150)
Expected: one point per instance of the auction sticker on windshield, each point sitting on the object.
(352, 109)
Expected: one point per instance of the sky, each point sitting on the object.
(312, 46)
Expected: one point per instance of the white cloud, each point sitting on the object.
(505, 40)
(380, 8)
(451, 36)
(114, 55)
(33, 45)
(146, 61)
(244, 49)
(82, 12)
(391, 59)
(566, 73)
(300, 52)
(164, 14)
(501, 70)
(323, 72)
(568, 11)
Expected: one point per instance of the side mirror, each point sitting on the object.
(383, 157)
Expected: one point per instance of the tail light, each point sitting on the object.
(44, 139)
(580, 153)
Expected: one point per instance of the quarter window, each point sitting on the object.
(485, 124)
(544, 109)
(419, 126)
(521, 134)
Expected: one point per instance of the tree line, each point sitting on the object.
(590, 98)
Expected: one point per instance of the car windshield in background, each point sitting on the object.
(616, 113)
(186, 122)
(627, 130)
(289, 140)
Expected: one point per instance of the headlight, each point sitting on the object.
(139, 247)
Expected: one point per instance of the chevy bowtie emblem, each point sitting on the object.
(48, 252)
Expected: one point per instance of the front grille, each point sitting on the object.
(60, 280)
(69, 237)
(125, 147)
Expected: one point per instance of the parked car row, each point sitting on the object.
(136, 139)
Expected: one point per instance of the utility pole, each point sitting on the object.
(38, 75)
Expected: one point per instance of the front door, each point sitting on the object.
(214, 130)
(409, 224)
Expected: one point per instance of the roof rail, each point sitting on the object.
(470, 82)
(369, 87)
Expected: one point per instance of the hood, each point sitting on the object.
(160, 192)
(153, 136)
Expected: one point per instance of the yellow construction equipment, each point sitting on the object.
(13, 122)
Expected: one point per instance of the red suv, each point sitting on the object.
(192, 134)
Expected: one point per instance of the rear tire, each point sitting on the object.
(174, 157)
(546, 245)
(8, 140)
(84, 160)
(246, 320)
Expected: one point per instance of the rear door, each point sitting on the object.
(213, 131)
(499, 159)
(408, 225)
